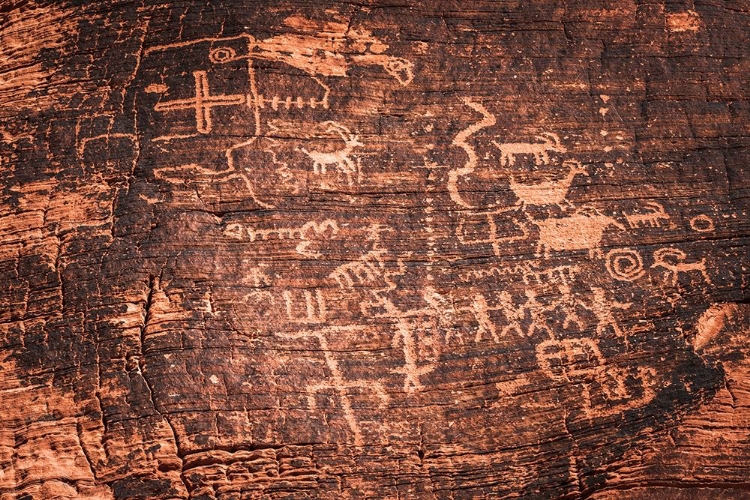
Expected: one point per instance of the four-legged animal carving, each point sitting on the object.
(539, 150)
(673, 260)
(338, 159)
(655, 213)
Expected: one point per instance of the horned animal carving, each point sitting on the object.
(339, 159)
(549, 142)
(651, 218)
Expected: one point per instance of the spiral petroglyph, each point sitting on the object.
(624, 264)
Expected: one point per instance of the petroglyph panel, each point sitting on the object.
(277, 250)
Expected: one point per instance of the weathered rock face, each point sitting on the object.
(438, 250)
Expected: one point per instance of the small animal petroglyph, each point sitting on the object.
(581, 231)
(548, 192)
(339, 159)
(371, 268)
(548, 142)
(624, 264)
(673, 260)
(654, 214)
(365, 270)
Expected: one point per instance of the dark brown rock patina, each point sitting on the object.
(378, 250)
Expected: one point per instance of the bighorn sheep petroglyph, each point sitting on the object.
(338, 159)
(550, 142)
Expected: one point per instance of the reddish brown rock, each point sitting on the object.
(427, 250)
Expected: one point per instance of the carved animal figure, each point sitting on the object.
(580, 231)
(548, 192)
(655, 213)
(539, 150)
(672, 259)
(367, 269)
(338, 159)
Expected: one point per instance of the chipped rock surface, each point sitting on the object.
(293, 249)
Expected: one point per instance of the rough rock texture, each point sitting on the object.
(376, 249)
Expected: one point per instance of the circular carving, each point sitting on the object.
(625, 264)
(222, 54)
(702, 224)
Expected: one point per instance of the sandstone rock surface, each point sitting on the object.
(377, 249)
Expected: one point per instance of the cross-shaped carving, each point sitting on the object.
(202, 103)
